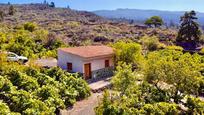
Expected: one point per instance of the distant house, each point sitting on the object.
(91, 61)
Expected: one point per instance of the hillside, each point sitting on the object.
(77, 27)
(141, 15)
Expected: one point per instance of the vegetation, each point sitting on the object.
(128, 52)
(189, 29)
(52, 4)
(11, 10)
(168, 78)
(1, 16)
(154, 21)
(76, 28)
(152, 75)
(33, 90)
(31, 41)
(150, 43)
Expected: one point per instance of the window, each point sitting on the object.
(11, 55)
(69, 66)
(107, 64)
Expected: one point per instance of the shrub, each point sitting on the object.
(150, 43)
(177, 48)
(195, 106)
(30, 26)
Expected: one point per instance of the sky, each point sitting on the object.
(91, 5)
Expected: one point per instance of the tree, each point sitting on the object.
(148, 22)
(52, 4)
(155, 21)
(180, 72)
(1, 16)
(45, 2)
(130, 53)
(11, 10)
(189, 29)
(124, 78)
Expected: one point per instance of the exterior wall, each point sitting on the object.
(63, 58)
(98, 67)
(97, 64)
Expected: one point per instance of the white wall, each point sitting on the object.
(78, 62)
(64, 58)
(97, 64)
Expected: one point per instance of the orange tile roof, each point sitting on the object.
(89, 51)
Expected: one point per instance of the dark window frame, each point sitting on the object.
(107, 63)
(69, 66)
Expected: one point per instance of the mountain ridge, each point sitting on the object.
(142, 15)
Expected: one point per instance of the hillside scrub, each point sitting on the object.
(33, 90)
(71, 26)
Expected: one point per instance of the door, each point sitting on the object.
(87, 71)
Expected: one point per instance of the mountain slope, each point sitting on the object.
(77, 27)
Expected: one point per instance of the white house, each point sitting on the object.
(91, 61)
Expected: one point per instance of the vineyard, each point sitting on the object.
(33, 90)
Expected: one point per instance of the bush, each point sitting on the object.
(177, 48)
(30, 26)
(202, 51)
(195, 106)
(150, 43)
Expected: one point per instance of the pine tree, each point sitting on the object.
(52, 4)
(1, 15)
(189, 29)
(11, 10)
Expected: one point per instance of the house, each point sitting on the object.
(92, 61)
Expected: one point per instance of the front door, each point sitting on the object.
(87, 71)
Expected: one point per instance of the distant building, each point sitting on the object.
(92, 61)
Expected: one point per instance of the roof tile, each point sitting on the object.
(89, 51)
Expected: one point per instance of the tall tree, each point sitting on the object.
(52, 4)
(1, 15)
(11, 10)
(154, 21)
(189, 29)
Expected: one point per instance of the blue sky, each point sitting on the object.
(90, 5)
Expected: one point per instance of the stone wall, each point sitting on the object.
(102, 73)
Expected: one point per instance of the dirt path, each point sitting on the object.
(84, 107)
